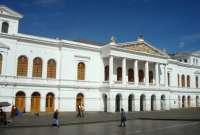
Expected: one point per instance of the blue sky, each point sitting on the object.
(173, 25)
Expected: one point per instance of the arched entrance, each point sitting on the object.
(153, 103)
(50, 102)
(197, 101)
(189, 101)
(105, 100)
(118, 103)
(80, 100)
(183, 102)
(163, 104)
(131, 103)
(142, 103)
(20, 101)
(35, 102)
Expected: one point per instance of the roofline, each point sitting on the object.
(49, 41)
(18, 15)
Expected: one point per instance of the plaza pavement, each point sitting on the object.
(69, 118)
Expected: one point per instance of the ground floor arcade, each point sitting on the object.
(99, 100)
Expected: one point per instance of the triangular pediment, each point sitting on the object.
(142, 47)
(5, 11)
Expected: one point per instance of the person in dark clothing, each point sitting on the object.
(3, 117)
(123, 118)
(55, 119)
(13, 112)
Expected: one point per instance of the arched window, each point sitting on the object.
(130, 75)
(1, 61)
(183, 80)
(141, 76)
(197, 81)
(51, 69)
(168, 77)
(178, 76)
(106, 73)
(22, 66)
(188, 81)
(4, 28)
(81, 71)
(119, 74)
(150, 77)
(37, 67)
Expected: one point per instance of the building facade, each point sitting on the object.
(40, 74)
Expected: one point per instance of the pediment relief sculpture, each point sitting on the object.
(142, 47)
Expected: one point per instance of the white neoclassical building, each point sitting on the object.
(39, 74)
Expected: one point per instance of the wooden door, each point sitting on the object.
(20, 103)
(35, 104)
(50, 103)
(79, 100)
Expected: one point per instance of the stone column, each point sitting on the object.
(137, 102)
(158, 103)
(28, 103)
(4, 63)
(111, 70)
(186, 81)
(43, 103)
(124, 71)
(147, 73)
(30, 68)
(180, 82)
(157, 74)
(136, 72)
(44, 69)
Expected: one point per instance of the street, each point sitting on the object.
(139, 127)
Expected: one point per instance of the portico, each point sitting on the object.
(126, 71)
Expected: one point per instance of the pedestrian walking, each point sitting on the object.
(123, 118)
(3, 117)
(55, 119)
(13, 112)
(79, 111)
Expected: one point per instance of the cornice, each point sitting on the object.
(50, 42)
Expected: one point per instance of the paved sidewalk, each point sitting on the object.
(65, 118)
(69, 118)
